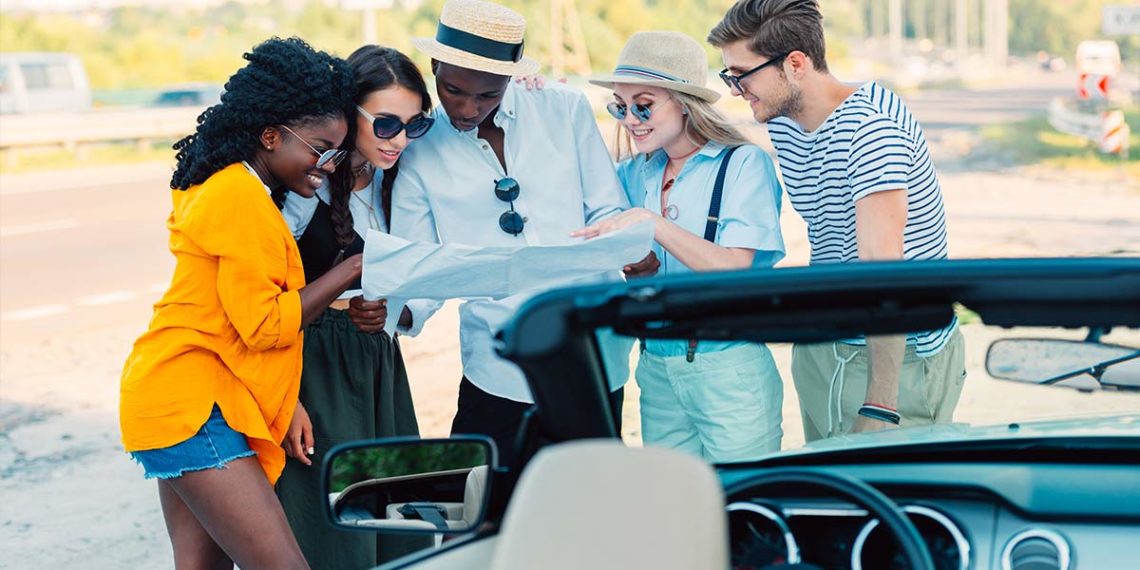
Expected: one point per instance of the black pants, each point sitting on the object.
(500, 418)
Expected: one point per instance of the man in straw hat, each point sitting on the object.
(857, 169)
(502, 167)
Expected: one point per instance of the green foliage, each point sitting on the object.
(1057, 26)
(136, 47)
(1034, 141)
(366, 463)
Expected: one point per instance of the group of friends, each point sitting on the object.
(255, 363)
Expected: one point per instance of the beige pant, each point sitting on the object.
(831, 381)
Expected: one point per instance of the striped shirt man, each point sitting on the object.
(870, 143)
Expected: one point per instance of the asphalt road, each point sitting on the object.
(81, 253)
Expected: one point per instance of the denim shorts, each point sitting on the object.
(215, 444)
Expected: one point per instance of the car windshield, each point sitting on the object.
(986, 382)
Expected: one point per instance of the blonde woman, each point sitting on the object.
(719, 400)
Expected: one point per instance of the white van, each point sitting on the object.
(41, 81)
(1098, 57)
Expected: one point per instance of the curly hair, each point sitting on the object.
(286, 82)
(375, 68)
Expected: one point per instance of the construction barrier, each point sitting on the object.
(1106, 129)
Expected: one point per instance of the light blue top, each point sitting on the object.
(445, 193)
(749, 211)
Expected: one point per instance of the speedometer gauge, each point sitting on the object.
(759, 537)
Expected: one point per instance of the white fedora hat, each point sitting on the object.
(479, 35)
(670, 60)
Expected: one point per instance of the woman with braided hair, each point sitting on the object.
(209, 391)
(354, 385)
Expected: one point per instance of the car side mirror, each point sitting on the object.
(410, 486)
(1068, 363)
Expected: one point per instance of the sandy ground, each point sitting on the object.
(70, 497)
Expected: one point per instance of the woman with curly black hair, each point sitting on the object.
(209, 391)
(354, 384)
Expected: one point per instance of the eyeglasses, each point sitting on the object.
(618, 111)
(387, 126)
(507, 190)
(323, 157)
(733, 81)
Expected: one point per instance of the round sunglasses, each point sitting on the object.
(387, 126)
(507, 190)
(333, 155)
(619, 110)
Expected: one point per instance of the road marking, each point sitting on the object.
(107, 298)
(25, 229)
(34, 313)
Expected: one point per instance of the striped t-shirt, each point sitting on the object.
(871, 143)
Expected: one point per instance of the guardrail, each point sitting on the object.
(1106, 129)
(73, 130)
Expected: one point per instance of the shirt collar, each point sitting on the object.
(253, 172)
(508, 105)
(657, 160)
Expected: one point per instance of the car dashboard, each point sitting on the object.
(986, 515)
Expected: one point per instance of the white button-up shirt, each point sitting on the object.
(445, 193)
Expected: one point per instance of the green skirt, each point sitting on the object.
(354, 386)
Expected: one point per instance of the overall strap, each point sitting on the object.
(710, 226)
(718, 191)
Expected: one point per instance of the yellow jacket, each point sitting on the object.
(228, 330)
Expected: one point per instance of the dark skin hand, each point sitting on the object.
(316, 296)
(645, 268)
(369, 316)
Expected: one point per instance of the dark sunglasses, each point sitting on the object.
(507, 190)
(387, 126)
(618, 111)
(323, 157)
(733, 81)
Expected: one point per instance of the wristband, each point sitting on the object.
(882, 414)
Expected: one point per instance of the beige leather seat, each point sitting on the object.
(460, 516)
(600, 504)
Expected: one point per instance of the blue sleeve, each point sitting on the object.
(750, 207)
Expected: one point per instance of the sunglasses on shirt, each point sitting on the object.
(507, 190)
(619, 110)
(323, 157)
(387, 126)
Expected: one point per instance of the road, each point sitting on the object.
(83, 253)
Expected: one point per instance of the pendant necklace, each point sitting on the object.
(670, 211)
(373, 219)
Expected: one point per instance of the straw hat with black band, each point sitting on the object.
(670, 60)
(482, 36)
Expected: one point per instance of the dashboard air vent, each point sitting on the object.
(1036, 549)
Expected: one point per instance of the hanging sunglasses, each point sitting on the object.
(387, 126)
(507, 190)
(618, 111)
(331, 155)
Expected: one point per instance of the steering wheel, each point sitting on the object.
(911, 545)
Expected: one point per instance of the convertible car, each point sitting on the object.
(1040, 470)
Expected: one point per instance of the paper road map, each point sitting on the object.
(398, 270)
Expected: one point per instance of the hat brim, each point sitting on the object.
(608, 81)
(460, 58)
